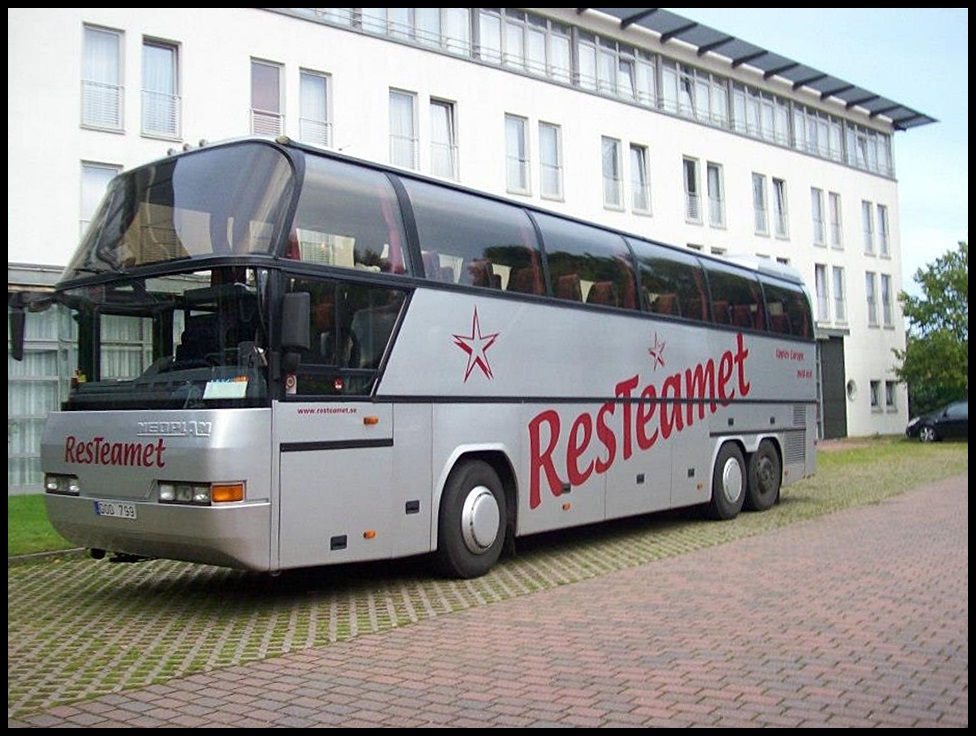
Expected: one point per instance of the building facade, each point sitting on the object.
(638, 119)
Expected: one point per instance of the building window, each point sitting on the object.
(875, 395)
(313, 125)
(780, 210)
(692, 191)
(101, 79)
(516, 155)
(403, 129)
(867, 223)
(890, 394)
(640, 180)
(443, 140)
(886, 301)
(871, 296)
(883, 243)
(817, 213)
(612, 179)
(760, 210)
(836, 239)
(160, 93)
(550, 161)
(716, 194)
(266, 117)
(823, 303)
(840, 305)
(94, 181)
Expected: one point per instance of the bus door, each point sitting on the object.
(336, 474)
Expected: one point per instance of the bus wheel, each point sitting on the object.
(471, 529)
(728, 483)
(765, 475)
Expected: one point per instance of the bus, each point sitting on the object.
(287, 357)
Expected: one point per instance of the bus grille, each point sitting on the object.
(796, 445)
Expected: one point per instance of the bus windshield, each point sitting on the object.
(215, 201)
(188, 340)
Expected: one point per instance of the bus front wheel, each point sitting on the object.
(471, 527)
(765, 477)
(728, 483)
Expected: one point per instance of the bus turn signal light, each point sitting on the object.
(226, 492)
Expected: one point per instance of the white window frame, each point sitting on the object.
(266, 112)
(871, 297)
(102, 79)
(315, 103)
(550, 161)
(443, 139)
(884, 244)
(640, 179)
(404, 145)
(781, 216)
(160, 89)
(517, 156)
(95, 178)
(715, 185)
(693, 209)
(887, 303)
(611, 159)
(835, 213)
(817, 215)
(840, 294)
(760, 208)
(823, 292)
(867, 224)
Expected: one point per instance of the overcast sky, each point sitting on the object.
(918, 57)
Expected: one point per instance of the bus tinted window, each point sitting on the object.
(586, 264)
(351, 326)
(348, 216)
(736, 297)
(474, 241)
(788, 309)
(672, 282)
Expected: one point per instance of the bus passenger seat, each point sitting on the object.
(720, 312)
(568, 287)
(524, 281)
(480, 272)
(666, 304)
(603, 292)
(742, 315)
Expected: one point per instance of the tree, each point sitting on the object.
(935, 362)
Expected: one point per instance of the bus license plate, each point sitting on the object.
(115, 509)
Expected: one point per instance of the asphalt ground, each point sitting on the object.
(856, 618)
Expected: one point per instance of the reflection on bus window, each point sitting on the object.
(492, 246)
(348, 216)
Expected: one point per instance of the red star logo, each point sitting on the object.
(476, 345)
(657, 352)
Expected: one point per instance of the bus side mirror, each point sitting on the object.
(20, 302)
(296, 337)
(17, 321)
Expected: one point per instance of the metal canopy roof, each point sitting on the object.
(709, 40)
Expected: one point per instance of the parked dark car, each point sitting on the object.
(947, 422)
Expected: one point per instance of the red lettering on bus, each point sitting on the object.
(122, 454)
(705, 384)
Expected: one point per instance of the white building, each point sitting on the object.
(637, 118)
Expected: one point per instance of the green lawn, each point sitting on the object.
(28, 530)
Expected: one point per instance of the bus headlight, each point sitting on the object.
(200, 494)
(66, 485)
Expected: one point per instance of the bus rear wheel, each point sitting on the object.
(471, 527)
(728, 483)
(765, 477)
